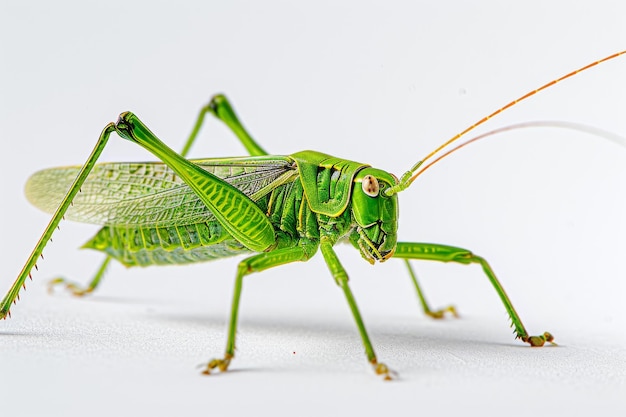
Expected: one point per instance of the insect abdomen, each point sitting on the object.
(144, 246)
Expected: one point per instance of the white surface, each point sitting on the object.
(380, 84)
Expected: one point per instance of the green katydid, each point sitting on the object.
(276, 209)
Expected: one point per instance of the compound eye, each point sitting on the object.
(370, 185)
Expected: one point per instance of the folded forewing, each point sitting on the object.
(149, 193)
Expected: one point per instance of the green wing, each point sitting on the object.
(149, 193)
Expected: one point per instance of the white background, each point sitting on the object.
(382, 83)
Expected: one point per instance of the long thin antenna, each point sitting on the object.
(619, 140)
(409, 176)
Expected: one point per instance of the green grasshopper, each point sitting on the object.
(276, 209)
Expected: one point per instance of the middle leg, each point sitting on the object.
(256, 263)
